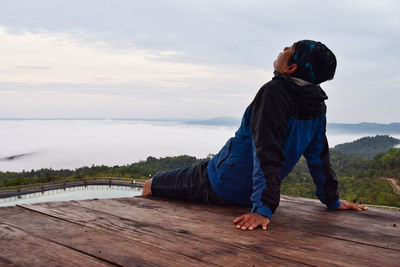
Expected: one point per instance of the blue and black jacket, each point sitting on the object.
(283, 122)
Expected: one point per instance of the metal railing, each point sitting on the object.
(42, 187)
(67, 189)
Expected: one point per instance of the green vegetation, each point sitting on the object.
(344, 165)
(359, 177)
(371, 190)
(385, 164)
(368, 146)
(139, 170)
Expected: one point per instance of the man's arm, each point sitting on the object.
(325, 180)
(270, 115)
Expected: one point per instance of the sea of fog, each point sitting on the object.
(69, 144)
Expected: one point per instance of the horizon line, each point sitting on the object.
(161, 119)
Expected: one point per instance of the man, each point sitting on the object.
(285, 120)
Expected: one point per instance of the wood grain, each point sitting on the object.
(109, 247)
(160, 232)
(19, 248)
(198, 221)
(178, 240)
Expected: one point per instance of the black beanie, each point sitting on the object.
(315, 62)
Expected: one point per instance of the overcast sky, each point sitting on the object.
(189, 59)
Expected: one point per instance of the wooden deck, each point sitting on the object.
(156, 232)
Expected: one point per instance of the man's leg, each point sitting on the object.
(147, 188)
(189, 183)
(183, 184)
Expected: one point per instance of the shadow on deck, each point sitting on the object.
(159, 232)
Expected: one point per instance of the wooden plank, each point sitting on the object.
(279, 241)
(178, 241)
(372, 213)
(100, 244)
(18, 248)
(199, 216)
(373, 227)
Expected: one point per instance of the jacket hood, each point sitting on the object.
(309, 98)
(303, 89)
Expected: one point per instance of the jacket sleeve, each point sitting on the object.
(317, 156)
(270, 115)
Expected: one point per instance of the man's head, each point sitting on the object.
(308, 60)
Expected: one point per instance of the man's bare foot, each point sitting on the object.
(147, 188)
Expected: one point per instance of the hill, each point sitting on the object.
(368, 146)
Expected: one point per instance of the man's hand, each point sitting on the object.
(251, 221)
(345, 205)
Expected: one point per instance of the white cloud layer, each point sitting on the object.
(51, 58)
(56, 72)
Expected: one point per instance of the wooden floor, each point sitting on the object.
(155, 232)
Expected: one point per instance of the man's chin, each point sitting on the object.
(275, 63)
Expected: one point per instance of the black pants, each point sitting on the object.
(189, 183)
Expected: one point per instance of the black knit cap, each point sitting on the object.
(316, 63)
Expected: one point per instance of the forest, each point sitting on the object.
(362, 167)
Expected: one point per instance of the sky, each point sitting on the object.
(189, 59)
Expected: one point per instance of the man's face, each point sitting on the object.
(281, 63)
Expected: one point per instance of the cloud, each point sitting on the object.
(67, 60)
(59, 58)
(55, 74)
(165, 53)
(34, 67)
